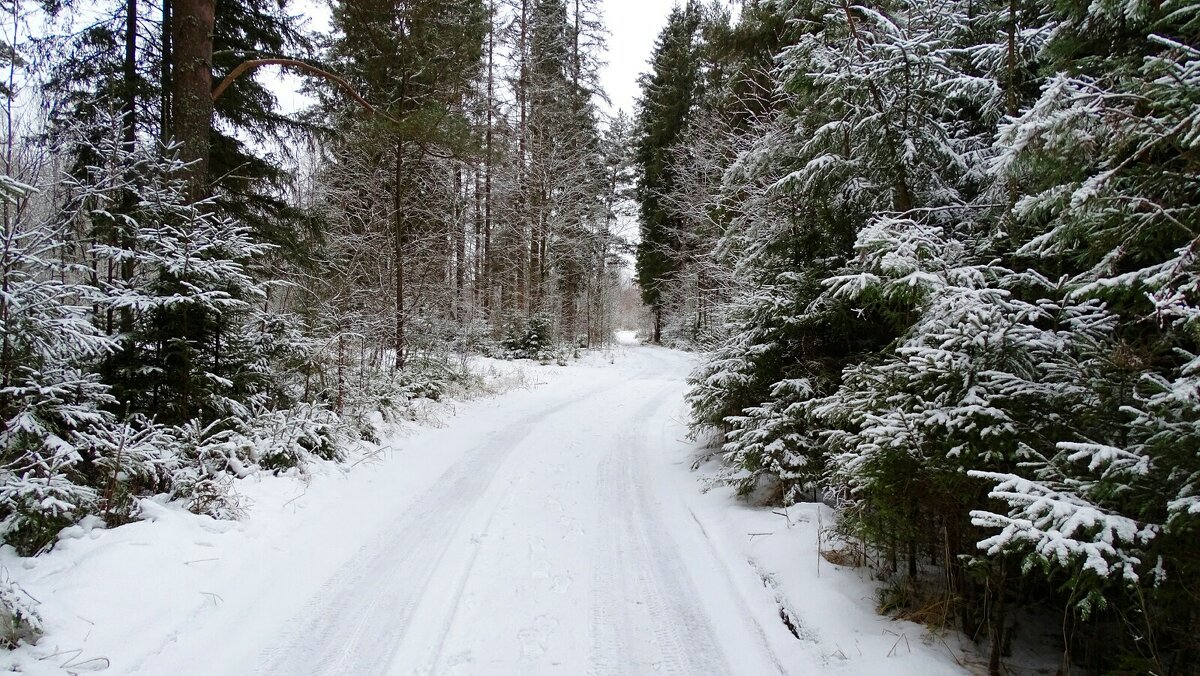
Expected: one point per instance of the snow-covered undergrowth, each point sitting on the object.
(835, 604)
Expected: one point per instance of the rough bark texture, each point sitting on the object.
(398, 235)
(192, 106)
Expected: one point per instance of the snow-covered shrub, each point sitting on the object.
(135, 458)
(761, 343)
(18, 614)
(475, 337)
(272, 353)
(210, 457)
(530, 338)
(775, 441)
(433, 378)
(206, 459)
(292, 437)
(388, 395)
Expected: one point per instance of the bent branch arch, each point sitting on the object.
(247, 66)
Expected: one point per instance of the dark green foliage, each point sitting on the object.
(251, 183)
(964, 304)
(666, 104)
(530, 338)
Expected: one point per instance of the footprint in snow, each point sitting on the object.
(533, 639)
(531, 643)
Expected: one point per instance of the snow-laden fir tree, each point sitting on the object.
(1107, 161)
(998, 368)
(190, 289)
(873, 122)
(52, 403)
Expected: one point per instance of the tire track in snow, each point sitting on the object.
(355, 623)
(641, 582)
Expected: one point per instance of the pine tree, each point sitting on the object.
(418, 76)
(664, 110)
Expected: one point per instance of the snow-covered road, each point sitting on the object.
(555, 529)
(549, 544)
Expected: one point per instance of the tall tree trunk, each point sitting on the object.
(576, 64)
(569, 307)
(129, 123)
(192, 109)
(996, 621)
(477, 242)
(166, 71)
(523, 144)
(487, 180)
(398, 238)
(1011, 87)
(535, 250)
(129, 130)
(460, 245)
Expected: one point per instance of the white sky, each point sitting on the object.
(632, 26)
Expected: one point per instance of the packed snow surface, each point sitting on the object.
(625, 337)
(558, 528)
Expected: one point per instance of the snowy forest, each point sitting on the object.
(943, 259)
(937, 265)
(197, 286)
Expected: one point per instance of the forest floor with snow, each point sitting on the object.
(556, 528)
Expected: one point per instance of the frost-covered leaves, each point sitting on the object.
(1118, 508)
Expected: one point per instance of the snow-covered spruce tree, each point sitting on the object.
(199, 377)
(189, 287)
(869, 126)
(665, 107)
(1106, 161)
(999, 367)
(51, 403)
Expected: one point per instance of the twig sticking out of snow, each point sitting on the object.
(903, 637)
